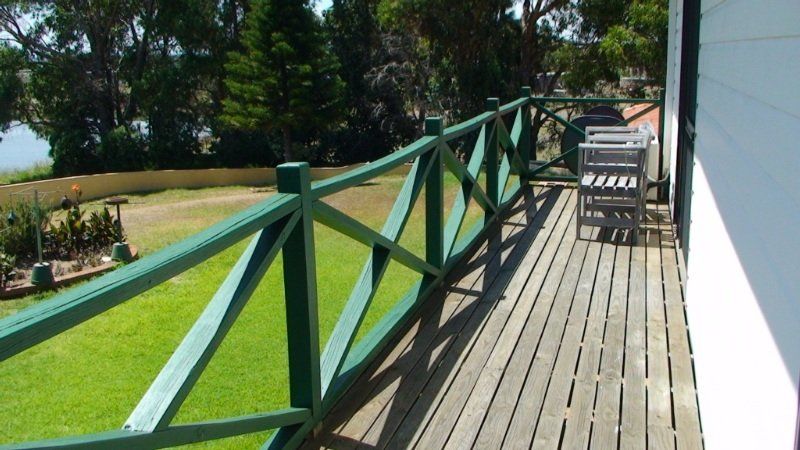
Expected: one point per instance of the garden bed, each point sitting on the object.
(23, 287)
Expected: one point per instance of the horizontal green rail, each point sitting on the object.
(284, 223)
(318, 376)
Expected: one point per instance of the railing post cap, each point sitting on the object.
(293, 177)
(434, 126)
(492, 104)
(525, 91)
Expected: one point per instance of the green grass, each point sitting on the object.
(90, 378)
(41, 170)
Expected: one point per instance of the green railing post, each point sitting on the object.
(300, 284)
(525, 137)
(492, 152)
(434, 196)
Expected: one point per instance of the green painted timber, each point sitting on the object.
(341, 222)
(434, 197)
(284, 222)
(366, 286)
(172, 385)
(300, 284)
(492, 153)
(174, 435)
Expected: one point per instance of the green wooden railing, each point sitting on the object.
(540, 104)
(285, 222)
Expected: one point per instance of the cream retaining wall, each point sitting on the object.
(108, 184)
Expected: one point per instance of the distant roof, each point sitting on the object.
(651, 117)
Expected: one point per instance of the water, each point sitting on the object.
(20, 148)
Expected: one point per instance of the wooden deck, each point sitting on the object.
(541, 341)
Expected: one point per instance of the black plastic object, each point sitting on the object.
(605, 110)
(571, 138)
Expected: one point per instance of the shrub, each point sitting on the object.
(18, 228)
(76, 238)
(7, 264)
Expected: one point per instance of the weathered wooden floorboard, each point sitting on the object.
(398, 400)
(548, 430)
(526, 415)
(544, 342)
(472, 392)
(524, 332)
(581, 407)
(684, 397)
(605, 430)
(426, 405)
(660, 434)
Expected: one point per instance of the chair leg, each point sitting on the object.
(578, 218)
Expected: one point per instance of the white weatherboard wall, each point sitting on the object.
(743, 288)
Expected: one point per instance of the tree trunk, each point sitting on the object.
(288, 156)
(528, 23)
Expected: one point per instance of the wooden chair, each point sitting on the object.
(612, 183)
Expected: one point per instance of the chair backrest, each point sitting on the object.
(628, 159)
(629, 138)
(615, 150)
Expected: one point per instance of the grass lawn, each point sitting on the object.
(90, 378)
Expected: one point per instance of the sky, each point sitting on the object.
(322, 5)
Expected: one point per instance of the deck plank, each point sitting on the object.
(660, 434)
(581, 408)
(554, 412)
(633, 432)
(605, 431)
(494, 320)
(433, 339)
(477, 405)
(687, 418)
(423, 373)
(561, 287)
(345, 418)
(542, 341)
(528, 329)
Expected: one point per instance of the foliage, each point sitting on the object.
(376, 121)
(18, 228)
(285, 78)
(38, 171)
(120, 84)
(74, 237)
(129, 85)
(78, 238)
(11, 85)
(470, 44)
(8, 265)
(641, 40)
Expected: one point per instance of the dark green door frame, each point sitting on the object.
(687, 113)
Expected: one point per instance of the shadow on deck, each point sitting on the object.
(539, 340)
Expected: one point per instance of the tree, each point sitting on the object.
(376, 121)
(471, 45)
(285, 79)
(641, 40)
(118, 84)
